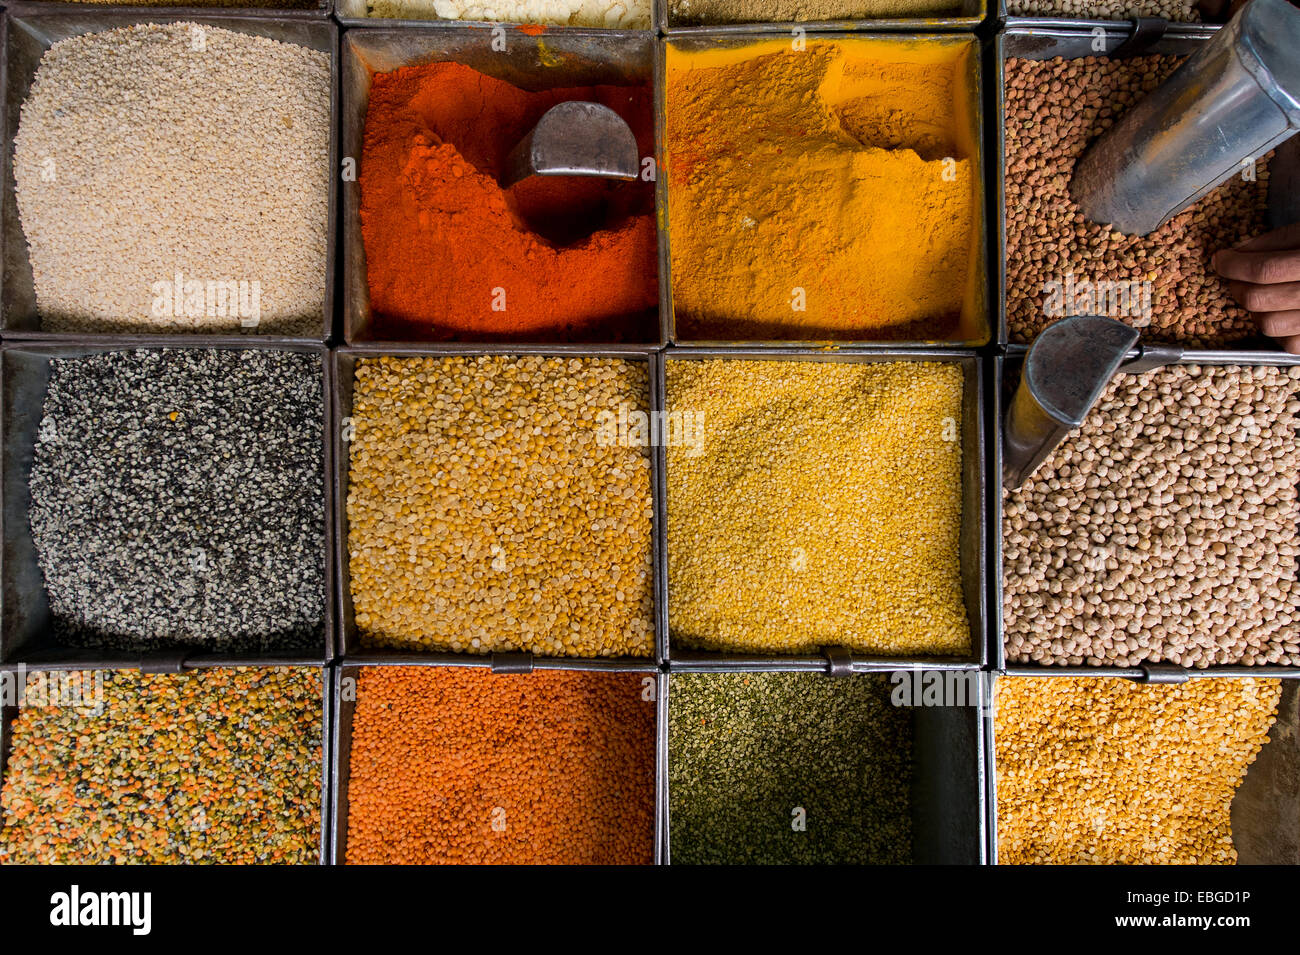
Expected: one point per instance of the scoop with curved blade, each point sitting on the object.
(575, 139)
(1066, 370)
(1227, 105)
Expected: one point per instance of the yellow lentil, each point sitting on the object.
(822, 507)
(1104, 770)
(487, 514)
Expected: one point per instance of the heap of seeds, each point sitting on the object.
(816, 504)
(460, 765)
(497, 504)
(212, 766)
(786, 768)
(177, 498)
(154, 159)
(1164, 529)
(1054, 110)
(1179, 11)
(709, 12)
(1108, 771)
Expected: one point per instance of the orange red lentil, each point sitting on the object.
(461, 765)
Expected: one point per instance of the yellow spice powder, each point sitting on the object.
(838, 203)
(820, 506)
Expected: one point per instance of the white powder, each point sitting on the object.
(609, 14)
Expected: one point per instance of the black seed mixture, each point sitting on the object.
(177, 499)
(754, 755)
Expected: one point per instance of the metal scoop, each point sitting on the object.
(1067, 368)
(575, 139)
(1232, 101)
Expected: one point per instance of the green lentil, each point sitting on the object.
(747, 750)
(212, 766)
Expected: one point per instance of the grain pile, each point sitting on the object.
(1164, 529)
(460, 765)
(1107, 771)
(1177, 11)
(788, 768)
(821, 507)
(492, 509)
(154, 160)
(708, 12)
(1054, 110)
(177, 499)
(212, 766)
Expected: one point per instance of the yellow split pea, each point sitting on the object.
(1107, 771)
(820, 506)
(493, 508)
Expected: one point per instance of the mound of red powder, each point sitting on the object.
(451, 255)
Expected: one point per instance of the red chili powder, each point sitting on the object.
(451, 255)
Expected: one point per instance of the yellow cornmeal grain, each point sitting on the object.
(1104, 770)
(492, 508)
(822, 507)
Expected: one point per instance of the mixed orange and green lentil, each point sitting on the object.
(210, 766)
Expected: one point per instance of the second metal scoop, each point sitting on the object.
(1226, 106)
(1067, 368)
(575, 139)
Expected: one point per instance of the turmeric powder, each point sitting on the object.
(842, 204)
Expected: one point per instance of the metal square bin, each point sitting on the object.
(1006, 374)
(349, 644)
(9, 711)
(973, 542)
(1265, 825)
(975, 327)
(352, 13)
(28, 33)
(1043, 40)
(25, 632)
(967, 17)
(345, 709)
(949, 785)
(319, 9)
(1050, 21)
(529, 62)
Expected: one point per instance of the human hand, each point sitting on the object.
(1264, 276)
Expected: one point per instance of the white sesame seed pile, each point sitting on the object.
(177, 499)
(157, 151)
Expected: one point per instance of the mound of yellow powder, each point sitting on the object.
(840, 204)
